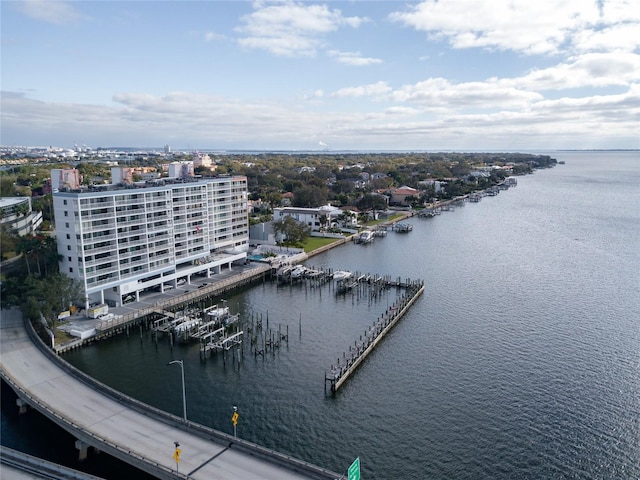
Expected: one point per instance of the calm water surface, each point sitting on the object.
(521, 360)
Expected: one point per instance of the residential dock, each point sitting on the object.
(340, 372)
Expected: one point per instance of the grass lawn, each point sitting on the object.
(61, 337)
(385, 220)
(316, 242)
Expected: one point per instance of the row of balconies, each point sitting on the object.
(125, 262)
(126, 221)
(102, 219)
(159, 249)
(88, 250)
(89, 239)
(159, 263)
(136, 199)
(94, 202)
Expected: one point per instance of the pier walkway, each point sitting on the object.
(340, 372)
(108, 421)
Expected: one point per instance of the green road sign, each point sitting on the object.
(354, 470)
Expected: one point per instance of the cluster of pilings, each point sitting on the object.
(340, 372)
(263, 339)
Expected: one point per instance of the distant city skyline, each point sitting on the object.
(312, 75)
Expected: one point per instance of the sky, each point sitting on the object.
(489, 75)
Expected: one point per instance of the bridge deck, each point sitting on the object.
(144, 439)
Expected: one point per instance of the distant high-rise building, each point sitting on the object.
(68, 178)
(167, 149)
(202, 160)
(120, 240)
(181, 169)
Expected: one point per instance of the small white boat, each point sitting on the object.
(187, 325)
(284, 269)
(298, 272)
(366, 237)
(341, 275)
(217, 313)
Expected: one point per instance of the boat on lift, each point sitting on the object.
(339, 275)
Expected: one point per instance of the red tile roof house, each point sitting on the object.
(399, 195)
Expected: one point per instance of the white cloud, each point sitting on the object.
(621, 37)
(372, 90)
(210, 121)
(353, 58)
(213, 36)
(291, 28)
(51, 11)
(559, 123)
(402, 111)
(589, 70)
(525, 26)
(439, 92)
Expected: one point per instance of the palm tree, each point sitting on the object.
(21, 209)
(323, 221)
(25, 247)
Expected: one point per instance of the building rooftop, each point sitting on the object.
(159, 182)
(6, 202)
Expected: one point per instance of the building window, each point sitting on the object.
(70, 269)
(69, 247)
(69, 258)
(68, 237)
(64, 201)
(66, 214)
(66, 224)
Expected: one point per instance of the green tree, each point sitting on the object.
(21, 209)
(7, 188)
(41, 250)
(344, 186)
(309, 196)
(371, 202)
(43, 204)
(323, 219)
(7, 242)
(46, 296)
(293, 231)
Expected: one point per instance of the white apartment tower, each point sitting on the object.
(121, 240)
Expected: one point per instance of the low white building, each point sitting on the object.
(16, 215)
(313, 216)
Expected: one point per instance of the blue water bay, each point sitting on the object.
(520, 361)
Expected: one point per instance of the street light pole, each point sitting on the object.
(234, 420)
(184, 393)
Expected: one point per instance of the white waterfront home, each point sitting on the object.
(313, 217)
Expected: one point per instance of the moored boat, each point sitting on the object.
(341, 275)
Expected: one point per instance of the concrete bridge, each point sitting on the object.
(109, 421)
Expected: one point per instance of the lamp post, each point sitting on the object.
(184, 394)
(234, 420)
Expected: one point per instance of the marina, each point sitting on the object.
(217, 330)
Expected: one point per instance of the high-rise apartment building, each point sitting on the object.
(122, 240)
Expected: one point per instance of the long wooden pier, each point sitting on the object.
(358, 352)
